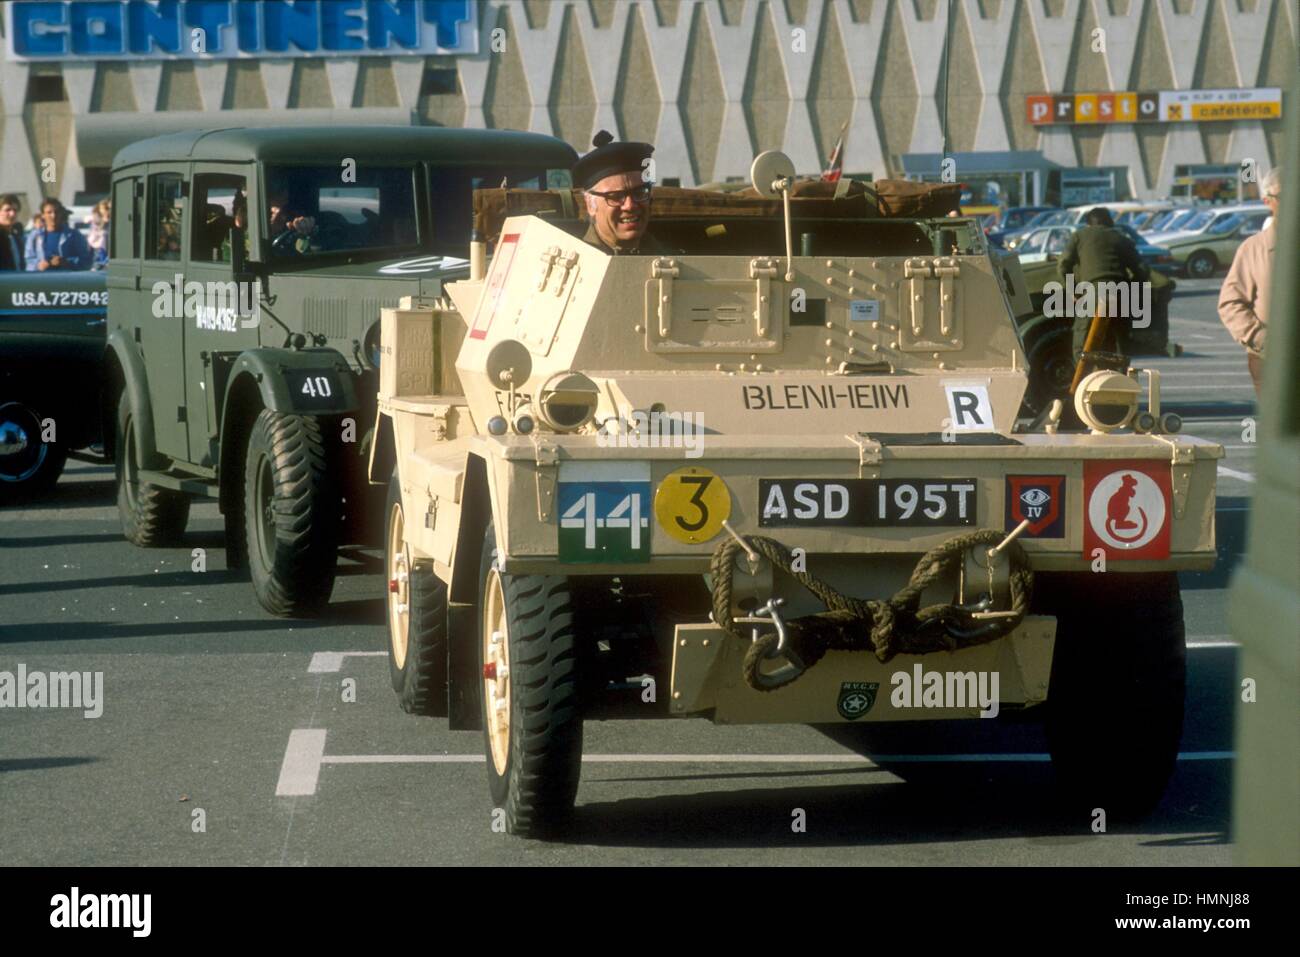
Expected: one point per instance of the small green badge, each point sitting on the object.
(856, 698)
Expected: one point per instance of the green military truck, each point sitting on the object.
(248, 270)
(51, 343)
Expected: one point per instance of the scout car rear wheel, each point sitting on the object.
(291, 512)
(1115, 702)
(531, 717)
(151, 516)
(27, 464)
(1202, 264)
(417, 620)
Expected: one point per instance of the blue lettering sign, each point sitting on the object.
(152, 28)
(397, 20)
(165, 29)
(39, 29)
(339, 23)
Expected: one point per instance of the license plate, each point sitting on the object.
(866, 502)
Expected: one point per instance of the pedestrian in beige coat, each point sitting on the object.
(1243, 300)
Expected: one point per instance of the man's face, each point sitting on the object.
(1271, 201)
(8, 213)
(625, 223)
(51, 216)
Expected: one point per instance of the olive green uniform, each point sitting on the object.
(648, 246)
(1098, 254)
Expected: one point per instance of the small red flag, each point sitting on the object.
(835, 166)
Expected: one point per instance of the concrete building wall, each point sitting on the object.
(713, 81)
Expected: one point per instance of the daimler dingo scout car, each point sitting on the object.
(248, 271)
(771, 483)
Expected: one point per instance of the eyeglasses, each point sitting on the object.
(638, 194)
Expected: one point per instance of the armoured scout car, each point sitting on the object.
(248, 268)
(754, 486)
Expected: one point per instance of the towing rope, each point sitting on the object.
(895, 626)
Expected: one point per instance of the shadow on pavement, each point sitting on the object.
(41, 764)
(958, 804)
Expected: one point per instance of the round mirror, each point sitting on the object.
(768, 168)
(509, 361)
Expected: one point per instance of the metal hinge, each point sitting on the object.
(665, 270)
(869, 456)
(431, 513)
(547, 457)
(1182, 460)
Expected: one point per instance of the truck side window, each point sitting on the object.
(220, 201)
(125, 237)
(166, 206)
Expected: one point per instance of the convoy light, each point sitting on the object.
(1106, 400)
(497, 425)
(524, 420)
(567, 401)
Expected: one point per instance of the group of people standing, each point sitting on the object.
(49, 241)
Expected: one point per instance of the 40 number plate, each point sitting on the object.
(866, 502)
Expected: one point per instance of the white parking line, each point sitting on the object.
(329, 662)
(305, 753)
(300, 769)
(1233, 473)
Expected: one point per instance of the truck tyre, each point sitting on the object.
(1201, 265)
(291, 513)
(151, 516)
(28, 466)
(1118, 681)
(1051, 365)
(417, 620)
(531, 716)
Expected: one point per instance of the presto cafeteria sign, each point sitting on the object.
(171, 29)
(1166, 106)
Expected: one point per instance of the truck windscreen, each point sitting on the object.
(318, 210)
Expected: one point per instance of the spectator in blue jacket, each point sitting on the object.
(56, 245)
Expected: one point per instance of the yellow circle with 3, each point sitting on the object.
(691, 504)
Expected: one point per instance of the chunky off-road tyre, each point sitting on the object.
(291, 514)
(28, 465)
(1051, 365)
(1115, 702)
(417, 620)
(531, 711)
(151, 516)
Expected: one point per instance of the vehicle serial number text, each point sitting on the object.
(56, 299)
(866, 502)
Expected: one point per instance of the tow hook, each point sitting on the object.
(793, 666)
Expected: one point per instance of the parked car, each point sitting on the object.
(1014, 219)
(51, 351)
(1169, 220)
(1048, 243)
(1212, 239)
(1052, 217)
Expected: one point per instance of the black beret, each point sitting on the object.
(609, 158)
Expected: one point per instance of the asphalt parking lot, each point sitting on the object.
(283, 740)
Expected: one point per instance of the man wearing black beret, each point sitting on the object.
(613, 179)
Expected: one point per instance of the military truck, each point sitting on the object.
(51, 346)
(754, 486)
(248, 268)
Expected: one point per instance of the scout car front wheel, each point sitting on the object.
(417, 619)
(151, 516)
(1115, 701)
(531, 716)
(291, 513)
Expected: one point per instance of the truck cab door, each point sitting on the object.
(226, 323)
(162, 318)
